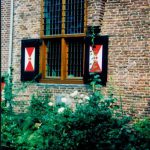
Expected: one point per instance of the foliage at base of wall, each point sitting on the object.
(97, 124)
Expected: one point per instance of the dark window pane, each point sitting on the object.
(75, 57)
(52, 17)
(74, 22)
(53, 57)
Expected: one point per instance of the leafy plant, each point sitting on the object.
(8, 95)
(97, 124)
(142, 127)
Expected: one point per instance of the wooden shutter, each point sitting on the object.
(96, 58)
(30, 59)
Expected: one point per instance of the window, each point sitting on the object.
(62, 53)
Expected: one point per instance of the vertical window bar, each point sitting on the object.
(78, 50)
(77, 22)
(57, 71)
(57, 20)
(73, 15)
(56, 61)
(74, 21)
(76, 60)
(81, 58)
(69, 62)
(75, 57)
(56, 58)
(59, 59)
(53, 58)
(49, 13)
(49, 58)
(73, 53)
(81, 16)
(55, 13)
(55, 66)
(52, 17)
(49, 26)
(70, 59)
(79, 64)
(51, 61)
(47, 50)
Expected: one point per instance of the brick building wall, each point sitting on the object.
(95, 12)
(27, 25)
(126, 23)
(27, 15)
(5, 29)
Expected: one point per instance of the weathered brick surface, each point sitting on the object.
(5, 29)
(64, 91)
(27, 15)
(95, 11)
(126, 23)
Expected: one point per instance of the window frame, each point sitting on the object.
(64, 47)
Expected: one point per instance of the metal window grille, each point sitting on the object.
(75, 57)
(64, 18)
(74, 16)
(54, 58)
(52, 17)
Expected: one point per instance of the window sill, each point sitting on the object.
(54, 85)
(63, 36)
(59, 81)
